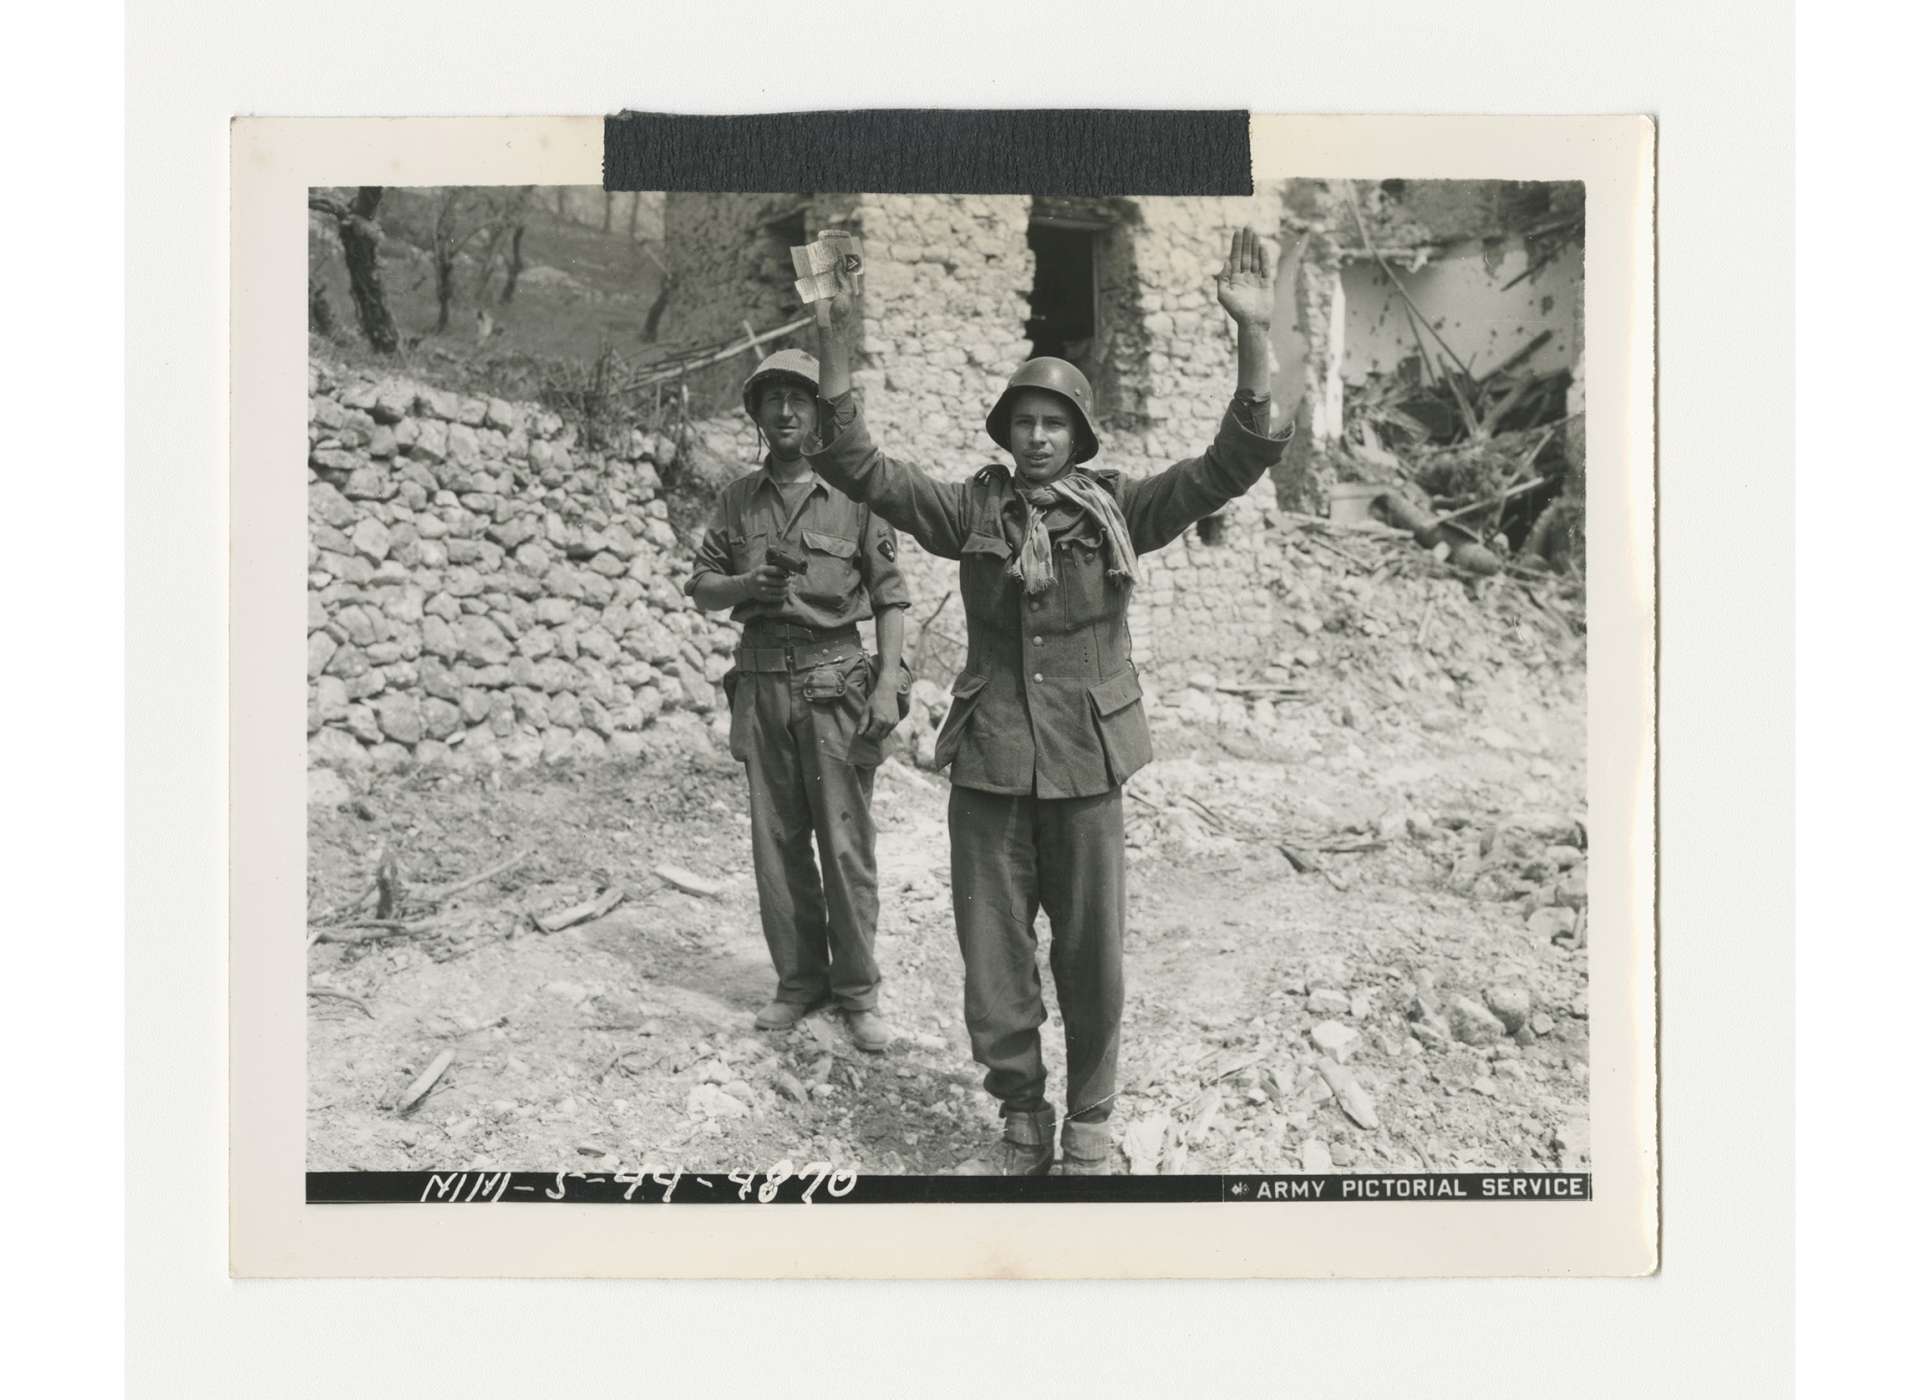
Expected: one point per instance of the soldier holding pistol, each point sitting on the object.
(800, 564)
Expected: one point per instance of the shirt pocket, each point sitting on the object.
(831, 571)
(983, 572)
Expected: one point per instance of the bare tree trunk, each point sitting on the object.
(319, 312)
(560, 202)
(444, 252)
(514, 264)
(633, 215)
(360, 242)
(652, 330)
(606, 220)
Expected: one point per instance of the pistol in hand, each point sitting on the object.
(786, 561)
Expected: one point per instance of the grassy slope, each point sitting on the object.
(610, 283)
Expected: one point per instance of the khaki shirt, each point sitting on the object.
(851, 554)
(1049, 703)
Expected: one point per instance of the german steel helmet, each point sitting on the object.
(1056, 377)
(782, 364)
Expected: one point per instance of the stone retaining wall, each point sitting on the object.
(479, 584)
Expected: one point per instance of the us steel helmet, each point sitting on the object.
(1056, 377)
(781, 364)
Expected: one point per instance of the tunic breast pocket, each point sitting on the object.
(983, 572)
(1089, 595)
(831, 575)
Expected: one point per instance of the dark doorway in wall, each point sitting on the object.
(1065, 301)
(785, 231)
(788, 230)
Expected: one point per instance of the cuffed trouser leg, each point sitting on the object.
(1013, 856)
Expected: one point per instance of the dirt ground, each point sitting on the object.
(1417, 1002)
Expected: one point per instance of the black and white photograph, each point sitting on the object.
(948, 685)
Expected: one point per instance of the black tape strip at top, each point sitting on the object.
(1035, 151)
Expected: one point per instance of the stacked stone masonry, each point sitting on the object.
(478, 584)
(947, 298)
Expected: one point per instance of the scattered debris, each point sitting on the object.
(446, 892)
(1143, 1142)
(1354, 1100)
(686, 880)
(596, 908)
(330, 994)
(1472, 1024)
(419, 1089)
(392, 889)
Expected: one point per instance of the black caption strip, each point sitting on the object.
(1034, 151)
(822, 1186)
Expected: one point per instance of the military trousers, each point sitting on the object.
(1012, 857)
(795, 736)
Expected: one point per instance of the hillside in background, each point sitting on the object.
(589, 278)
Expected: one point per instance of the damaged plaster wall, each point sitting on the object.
(1463, 290)
(950, 284)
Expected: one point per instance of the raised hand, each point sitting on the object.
(1245, 281)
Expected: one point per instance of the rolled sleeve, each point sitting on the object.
(1254, 412)
(879, 553)
(715, 553)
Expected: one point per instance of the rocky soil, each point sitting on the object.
(1356, 932)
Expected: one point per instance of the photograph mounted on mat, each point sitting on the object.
(943, 700)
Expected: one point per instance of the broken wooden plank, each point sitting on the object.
(1453, 515)
(1306, 865)
(330, 994)
(420, 1087)
(688, 881)
(596, 908)
(446, 892)
(372, 930)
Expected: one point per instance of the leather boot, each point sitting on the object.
(784, 1015)
(1085, 1149)
(870, 1033)
(1027, 1147)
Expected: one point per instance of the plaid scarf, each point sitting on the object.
(1033, 564)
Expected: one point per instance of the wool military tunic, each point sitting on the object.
(1048, 702)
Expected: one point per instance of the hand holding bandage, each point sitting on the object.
(827, 269)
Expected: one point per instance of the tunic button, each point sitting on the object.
(1039, 641)
(1037, 676)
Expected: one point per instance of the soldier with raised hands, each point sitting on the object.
(1047, 721)
(800, 565)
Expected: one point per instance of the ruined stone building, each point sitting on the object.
(961, 288)
(487, 578)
